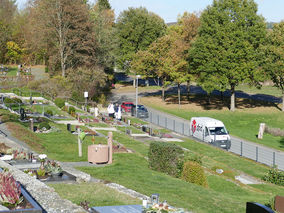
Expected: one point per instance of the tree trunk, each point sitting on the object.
(187, 89)
(163, 93)
(178, 94)
(232, 108)
(163, 90)
(282, 101)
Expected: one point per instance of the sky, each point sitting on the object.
(271, 10)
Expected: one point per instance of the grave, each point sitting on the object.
(117, 209)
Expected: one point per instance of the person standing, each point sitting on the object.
(110, 110)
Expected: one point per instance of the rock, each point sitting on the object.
(219, 171)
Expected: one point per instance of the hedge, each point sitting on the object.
(166, 158)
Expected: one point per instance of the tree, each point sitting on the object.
(136, 29)
(103, 4)
(8, 10)
(14, 52)
(228, 45)
(65, 30)
(274, 59)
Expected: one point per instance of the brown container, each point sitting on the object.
(98, 154)
(279, 204)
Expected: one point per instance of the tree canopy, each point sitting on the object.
(274, 57)
(136, 29)
(228, 45)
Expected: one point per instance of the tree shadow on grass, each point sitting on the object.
(215, 102)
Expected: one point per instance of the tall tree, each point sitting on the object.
(65, 31)
(103, 4)
(8, 11)
(274, 59)
(136, 30)
(228, 45)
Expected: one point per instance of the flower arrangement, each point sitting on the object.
(53, 168)
(162, 208)
(10, 190)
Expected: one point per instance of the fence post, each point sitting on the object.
(158, 120)
(256, 153)
(241, 148)
(182, 128)
(174, 125)
(273, 159)
(166, 121)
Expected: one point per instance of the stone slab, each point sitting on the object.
(172, 140)
(118, 209)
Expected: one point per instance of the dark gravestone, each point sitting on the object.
(22, 114)
(69, 127)
(257, 208)
(144, 128)
(35, 128)
(117, 209)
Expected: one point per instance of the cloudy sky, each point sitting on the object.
(271, 10)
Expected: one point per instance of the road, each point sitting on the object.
(244, 148)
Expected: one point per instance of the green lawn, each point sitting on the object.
(12, 71)
(132, 171)
(97, 194)
(267, 90)
(241, 124)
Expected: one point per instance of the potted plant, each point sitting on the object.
(53, 168)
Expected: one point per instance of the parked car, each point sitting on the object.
(142, 111)
(126, 106)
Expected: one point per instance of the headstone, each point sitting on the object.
(261, 131)
(257, 208)
(22, 114)
(69, 127)
(96, 111)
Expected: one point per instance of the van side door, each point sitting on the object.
(207, 137)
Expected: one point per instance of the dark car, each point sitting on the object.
(126, 106)
(142, 111)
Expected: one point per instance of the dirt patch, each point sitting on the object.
(201, 103)
(25, 135)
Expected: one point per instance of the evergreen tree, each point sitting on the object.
(228, 45)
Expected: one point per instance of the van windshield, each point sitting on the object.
(218, 131)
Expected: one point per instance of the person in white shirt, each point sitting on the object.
(118, 114)
(110, 110)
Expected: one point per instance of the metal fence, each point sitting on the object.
(252, 151)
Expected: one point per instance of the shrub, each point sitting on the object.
(10, 190)
(274, 131)
(44, 124)
(60, 102)
(193, 157)
(194, 173)
(71, 110)
(49, 112)
(274, 176)
(167, 158)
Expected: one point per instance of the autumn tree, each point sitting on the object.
(136, 29)
(228, 44)
(274, 57)
(65, 30)
(8, 11)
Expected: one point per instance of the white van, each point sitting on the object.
(210, 131)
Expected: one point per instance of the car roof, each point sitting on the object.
(127, 103)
